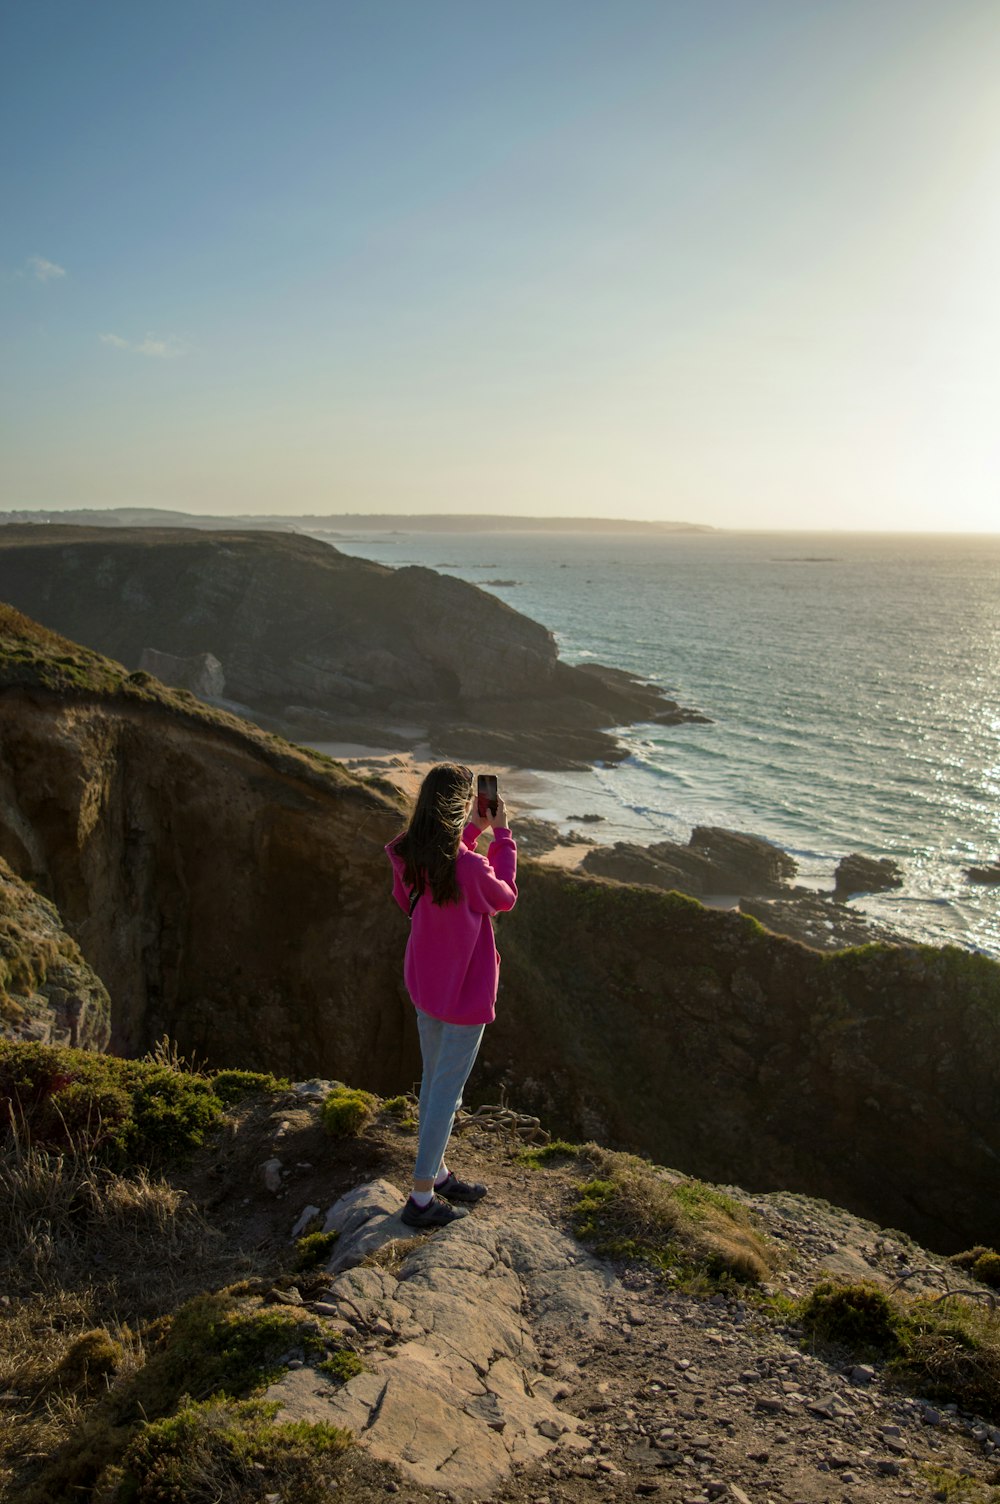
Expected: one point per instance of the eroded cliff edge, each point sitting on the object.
(323, 646)
(231, 891)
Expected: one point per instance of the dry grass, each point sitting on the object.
(88, 1257)
(69, 1222)
(633, 1209)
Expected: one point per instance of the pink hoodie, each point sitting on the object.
(452, 968)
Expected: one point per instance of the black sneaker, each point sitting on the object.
(453, 1189)
(436, 1213)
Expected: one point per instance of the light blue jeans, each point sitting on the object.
(448, 1052)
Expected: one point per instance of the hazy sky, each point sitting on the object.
(734, 261)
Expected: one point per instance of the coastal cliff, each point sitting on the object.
(322, 646)
(230, 890)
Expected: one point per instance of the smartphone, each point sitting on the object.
(486, 793)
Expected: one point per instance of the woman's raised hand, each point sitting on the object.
(485, 821)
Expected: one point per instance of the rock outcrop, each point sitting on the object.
(48, 993)
(714, 862)
(460, 1396)
(865, 874)
(326, 646)
(757, 876)
(231, 891)
(202, 674)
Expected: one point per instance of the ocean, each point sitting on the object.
(852, 680)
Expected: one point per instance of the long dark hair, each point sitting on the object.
(429, 844)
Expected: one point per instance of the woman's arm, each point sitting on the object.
(490, 882)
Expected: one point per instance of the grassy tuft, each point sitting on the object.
(313, 1250)
(688, 1230)
(346, 1111)
(341, 1365)
(89, 1361)
(546, 1154)
(220, 1344)
(958, 1488)
(233, 1086)
(403, 1110)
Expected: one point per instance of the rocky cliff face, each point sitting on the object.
(325, 645)
(232, 892)
(48, 993)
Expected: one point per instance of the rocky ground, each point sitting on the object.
(505, 1363)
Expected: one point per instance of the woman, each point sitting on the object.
(451, 968)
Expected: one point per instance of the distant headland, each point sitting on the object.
(349, 522)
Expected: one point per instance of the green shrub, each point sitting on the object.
(216, 1347)
(124, 1111)
(859, 1317)
(987, 1269)
(232, 1086)
(341, 1365)
(226, 1452)
(948, 1350)
(218, 1344)
(969, 1256)
(401, 1108)
(347, 1110)
(313, 1250)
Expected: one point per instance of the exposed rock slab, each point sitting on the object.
(460, 1396)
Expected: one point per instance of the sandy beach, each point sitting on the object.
(524, 792)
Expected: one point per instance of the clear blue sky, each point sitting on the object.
(727, 260)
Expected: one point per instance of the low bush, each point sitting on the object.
(219, 1344)
(987, 1269)
(859, 1317)
(89, 1360)
(227, 1452)
(346, 1110)
(123, 1111)
(403, 1110)
(946, 1349)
